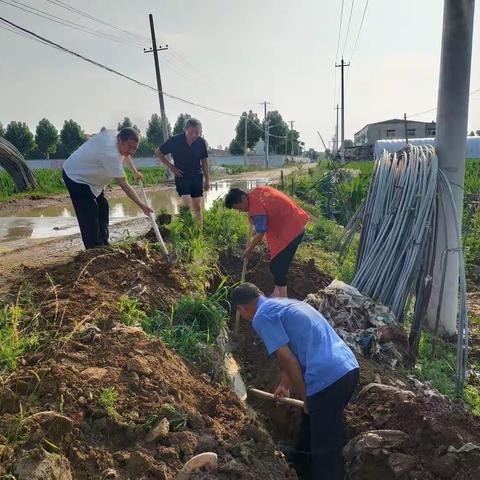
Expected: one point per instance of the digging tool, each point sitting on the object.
(242, 279)
(169, 257)
(269, 396)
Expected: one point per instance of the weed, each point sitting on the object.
(130, 313)
(108, 399)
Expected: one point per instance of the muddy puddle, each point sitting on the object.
(17, 229)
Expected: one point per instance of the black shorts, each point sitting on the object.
(281, 263)
(192, 186)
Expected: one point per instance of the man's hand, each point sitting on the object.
(176, 171)
(281, 391)
(206, 187)
(146, 210)
(138, 176)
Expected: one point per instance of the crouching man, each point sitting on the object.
(317, 366)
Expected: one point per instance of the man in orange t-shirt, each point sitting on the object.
(277, 218)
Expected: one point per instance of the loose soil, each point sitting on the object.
(78, 304)
(431, 422)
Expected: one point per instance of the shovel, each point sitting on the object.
(242, 280)
(269, 396)
(169, 257)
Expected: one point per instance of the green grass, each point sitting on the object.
(14, 340)
(235, 169)
(129, 311)
(51, 183)
(108, 399)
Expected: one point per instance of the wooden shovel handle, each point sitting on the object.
(269, 396)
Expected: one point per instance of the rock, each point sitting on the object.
(186, 442)
(374, 440)
(139, 365)
(140, 464)
(27, 385)
(110, 474)
(168, 455)
(43, 466)
(94, 374)
(468, 447)
(126, 330)
(160, 430)
(445, 466)
(52, 425)
(401, 463)
(9, 402)
(380, 387)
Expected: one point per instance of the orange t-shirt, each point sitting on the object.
(285, 219)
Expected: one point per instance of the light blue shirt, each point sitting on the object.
(323, 356)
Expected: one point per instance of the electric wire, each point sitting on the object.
(348, 28)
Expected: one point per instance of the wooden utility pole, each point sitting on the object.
(406, 127)
(450, 141)
(245, 142)
(337, 108)
(342, 66)
(266, 133)
(155, 51)
(291, 138)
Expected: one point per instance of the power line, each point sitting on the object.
(348, 27)
(339, 30)
(70, 8)
(67, 23)
(359, 30)
(111, 70)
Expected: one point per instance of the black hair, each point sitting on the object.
(128, 133)
(245, 294)
(234, 197)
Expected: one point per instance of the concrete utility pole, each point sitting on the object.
(291, 137)
(405, 124)
(266, 133)
(342, 67)
(336, 133)
(450, 140)
(245, 142)
(155, 51)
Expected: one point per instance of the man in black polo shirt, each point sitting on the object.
(190, 164)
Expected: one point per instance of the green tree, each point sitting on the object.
(155, 131)
(471, 134)
(46, 137)
(235, 148)
(127, 123)
(278, 130)
(292, 135)
(72, 137)
(145, 148)
(477, 132)
(180, 123)
(312, 154)
(19, 134)
(2, 130)
(254, 130)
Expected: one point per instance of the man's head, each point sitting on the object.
(192, 129)
(245, 299)
(127, 141)
(237, 199)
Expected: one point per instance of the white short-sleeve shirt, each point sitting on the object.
(96, 163)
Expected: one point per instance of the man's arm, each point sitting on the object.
(176, 171)
(292, 370)
(206, 173)
(130, 192)
(129, 163)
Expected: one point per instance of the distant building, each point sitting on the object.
(391, 129)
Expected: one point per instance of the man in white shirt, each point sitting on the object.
(89, 169)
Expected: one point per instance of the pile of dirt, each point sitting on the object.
(101, 400)
(303, 277)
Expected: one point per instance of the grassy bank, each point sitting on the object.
(51, 183)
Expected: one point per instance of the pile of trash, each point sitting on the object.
(368, 327)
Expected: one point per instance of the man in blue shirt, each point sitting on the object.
(316, 365)
(190, 164)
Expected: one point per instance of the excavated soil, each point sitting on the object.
(430, 422)
(53, 403)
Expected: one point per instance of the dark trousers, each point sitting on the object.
(92, 213)
(322, 435)
(280, 264)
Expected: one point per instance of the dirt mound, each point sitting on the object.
(303, 277)
(98, 430)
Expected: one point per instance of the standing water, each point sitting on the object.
(59, 221)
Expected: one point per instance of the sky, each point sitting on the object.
(230, 55)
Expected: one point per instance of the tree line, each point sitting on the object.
(48, 142)
(280, 135)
